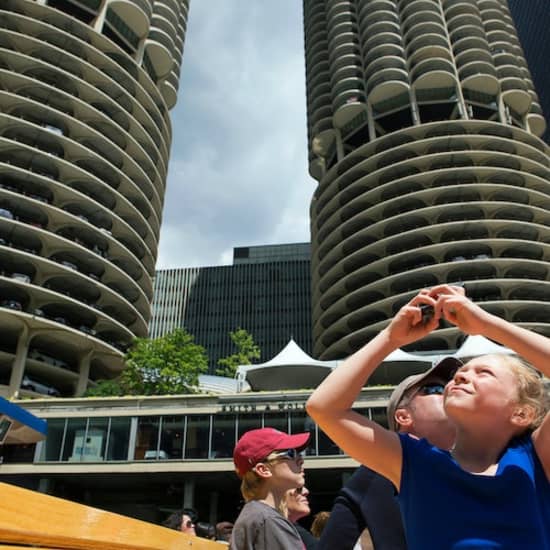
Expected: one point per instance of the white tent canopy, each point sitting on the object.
(293, 368)
(477, 345)
(293, 354)
(290, 369)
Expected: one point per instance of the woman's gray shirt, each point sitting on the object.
(261, 527)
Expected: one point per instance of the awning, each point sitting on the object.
(19, 426)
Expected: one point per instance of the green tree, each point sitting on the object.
(105, 388)
(167, 365)
(247, 350)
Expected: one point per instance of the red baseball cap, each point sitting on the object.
(255, 445)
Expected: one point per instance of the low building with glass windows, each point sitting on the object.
(147, 456)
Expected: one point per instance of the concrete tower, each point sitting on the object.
(423, 127)
(85, 89)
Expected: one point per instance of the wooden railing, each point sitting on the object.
(28, 518)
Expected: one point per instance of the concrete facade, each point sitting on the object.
(84, 145)
(424, 136)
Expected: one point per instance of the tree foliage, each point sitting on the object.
(247, 351)
(170, 364)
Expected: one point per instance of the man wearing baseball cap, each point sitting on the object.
(269, 463)
(368, 499)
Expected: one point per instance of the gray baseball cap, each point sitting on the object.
(445, 369)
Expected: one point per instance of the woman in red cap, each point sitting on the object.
(269, 463)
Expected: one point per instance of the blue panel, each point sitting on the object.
(17, 413)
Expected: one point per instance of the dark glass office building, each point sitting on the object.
(266, 291)
(532, 19)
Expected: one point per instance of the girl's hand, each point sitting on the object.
(459, 310)
(408, 325)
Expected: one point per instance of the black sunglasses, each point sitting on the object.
(189, 523)
(434, 388)
(288, 454)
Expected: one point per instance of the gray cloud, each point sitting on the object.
(238, 169)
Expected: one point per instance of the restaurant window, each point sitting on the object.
(223, 435)
(197, 436)
(17, 454)
(147, 440)
(119, 437)
(75, 446)
(171, 436)
(300, 422)
(51, 447)
(248, 422)
(277, 420)
(86, 439)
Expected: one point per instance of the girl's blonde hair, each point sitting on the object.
(252, 489)
(530, 388)
(251, 485)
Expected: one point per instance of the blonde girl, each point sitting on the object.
(491, 490)
(269, 463)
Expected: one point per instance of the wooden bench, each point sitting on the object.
(31, 519)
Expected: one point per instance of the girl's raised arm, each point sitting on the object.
(330, 405)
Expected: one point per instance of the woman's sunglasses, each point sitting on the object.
(287, 454)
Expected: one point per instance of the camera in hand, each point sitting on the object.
(427, 311)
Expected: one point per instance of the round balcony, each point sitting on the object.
(387, 83)
(479, 76)
(347, 105)
(135, 14)
(158, 51)
(514, 93)
(433, 74)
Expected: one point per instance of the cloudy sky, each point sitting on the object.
(238, 169)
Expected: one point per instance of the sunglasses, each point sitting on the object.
(288, 454)
(188, 523)
(435, 388)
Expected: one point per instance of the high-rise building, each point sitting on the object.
(532, 19)
(424, 136)
(266, 291)
(86, 86)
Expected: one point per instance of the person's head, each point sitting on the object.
(319, 522)
(498, 386)
(182, 520)
(268, 460)
(416, 404)
(297, 503)
(187, 525)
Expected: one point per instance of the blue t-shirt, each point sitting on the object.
(447, 508)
